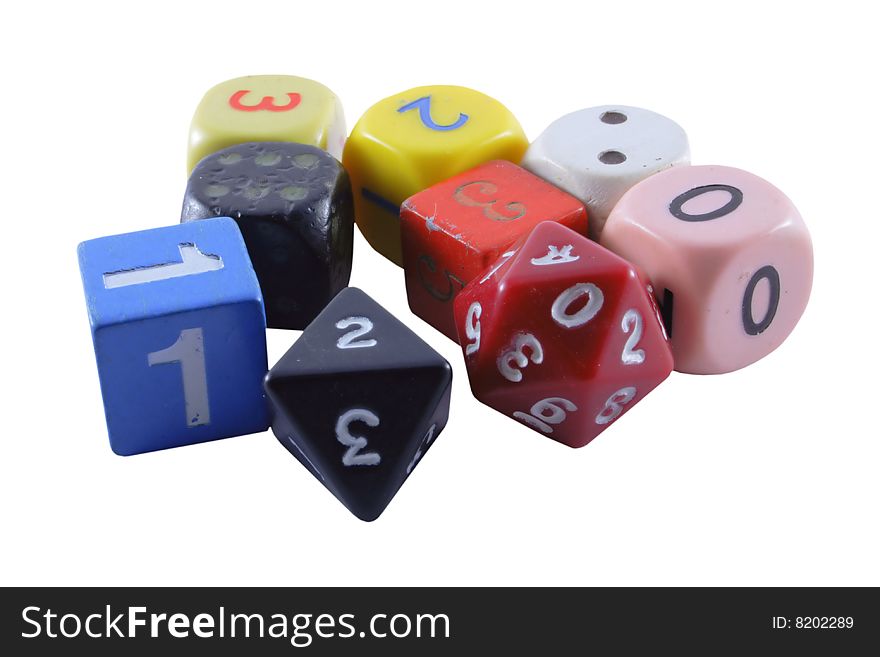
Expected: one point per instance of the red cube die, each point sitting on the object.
(453, 231)
(562, 335)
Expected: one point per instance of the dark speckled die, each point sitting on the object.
(293, 205)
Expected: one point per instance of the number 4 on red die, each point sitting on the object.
(562, 335)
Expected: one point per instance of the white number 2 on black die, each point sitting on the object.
(349, 340)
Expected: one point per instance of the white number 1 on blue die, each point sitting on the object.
(192, 261)
(189, 351)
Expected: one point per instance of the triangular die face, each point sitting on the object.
(354, 333)
(552, 249)
(583, 347)
(401, 403)
(555, 264)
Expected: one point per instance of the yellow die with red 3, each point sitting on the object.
(266, 108)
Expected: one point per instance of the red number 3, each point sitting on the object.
(486, 188)
(267, 103)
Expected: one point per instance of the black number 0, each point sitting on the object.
(677, 205)
(749, 324)
(676, 208)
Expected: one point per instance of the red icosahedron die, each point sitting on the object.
(453, 231)
(562, 335)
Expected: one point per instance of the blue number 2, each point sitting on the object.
(424, 105)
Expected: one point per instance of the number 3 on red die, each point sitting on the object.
(453, 231)
(562, 335)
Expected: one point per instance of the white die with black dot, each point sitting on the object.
(597, 154)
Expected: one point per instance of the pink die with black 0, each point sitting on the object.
(562, 335)
(730, 258)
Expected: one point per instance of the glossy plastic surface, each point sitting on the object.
(563, 336)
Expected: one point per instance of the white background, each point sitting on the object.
(770, 475)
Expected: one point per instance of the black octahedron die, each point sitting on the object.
(358, 400)
(294, 207)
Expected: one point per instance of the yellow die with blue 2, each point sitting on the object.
(266, 108)
(179, 331)
(412, 140)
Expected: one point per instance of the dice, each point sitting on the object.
(358, 400)
(453, 231)
(294, 207)
(266, 108)
(408, 142)
(179, 335)
(562, 335)
(597, 154)
(730, 258)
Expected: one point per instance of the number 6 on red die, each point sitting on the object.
(562, 335)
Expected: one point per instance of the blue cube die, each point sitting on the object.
(179, 331)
